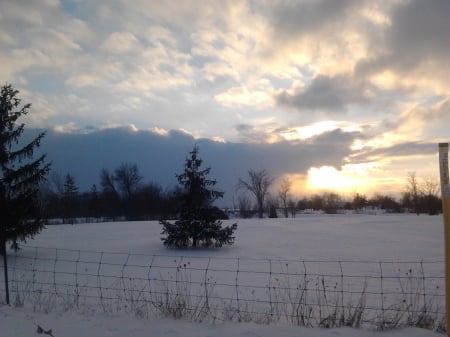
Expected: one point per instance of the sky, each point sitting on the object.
(333, 95)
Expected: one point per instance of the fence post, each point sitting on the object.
(445, 191)
(5, 266)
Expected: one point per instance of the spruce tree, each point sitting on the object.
(199, 222)
(20, 174)
(70, 197)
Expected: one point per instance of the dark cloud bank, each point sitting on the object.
(161, 157)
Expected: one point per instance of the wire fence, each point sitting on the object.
(327, 293)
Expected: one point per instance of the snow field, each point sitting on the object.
(277, 271)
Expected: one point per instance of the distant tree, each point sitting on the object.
(171, 207)
(70, 195)
(199, 224)
(70, 188)
(20, 174)
(430, 187)
(107, 181)
(317, 202)
(150, 201)
(359, 201)
(332, 203)
(56, 186)
(128, 178)
(283, 194)
(303, 203)
(56, 183)
(431, 201)
(421, 198)
(385, 202)
(406, 201)
(258, 184)
(272, 206)
(292, 207)
(110, 196)
(245, 207)
(94, 202)
(47, 200)
(412, 187)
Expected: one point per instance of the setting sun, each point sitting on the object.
(329, 178)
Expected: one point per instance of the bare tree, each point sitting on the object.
(283, 192)
(332, 202)
(128, 179)
(245, 207)
(412, 187)
(258, 184)
(292, 207)
(430, 187)
(272, 206)
(107, 181)
(430, 191)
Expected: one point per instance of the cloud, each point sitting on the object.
(121, 42)
(415, 44)
(326, 93)
(425, 121)
(160, 155)
(362, 76)
(404, 149)
(290, 19)
(44, 39)
(327, 37)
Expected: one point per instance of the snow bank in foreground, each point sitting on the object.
(22, 323)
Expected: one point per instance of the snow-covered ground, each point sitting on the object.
(307, 237)
(352, 236)
(23, 323)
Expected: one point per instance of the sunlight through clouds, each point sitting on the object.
(348, 180)
(329, 178)
(369, 77)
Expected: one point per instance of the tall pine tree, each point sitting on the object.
(20, 174)
(199, 222)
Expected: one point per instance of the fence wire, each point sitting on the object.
(327, 293)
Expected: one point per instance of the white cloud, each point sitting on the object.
(243, 96)
(121, 42)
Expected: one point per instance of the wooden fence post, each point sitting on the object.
(445, 191)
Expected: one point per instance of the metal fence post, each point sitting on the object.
(5, 266)
(445, 190)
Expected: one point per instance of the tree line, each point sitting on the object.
(420, 197)
(121, 194)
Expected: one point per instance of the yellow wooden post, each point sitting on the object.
(445, 190)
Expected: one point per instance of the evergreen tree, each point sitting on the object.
(70, 197)
(20, 174)
(199, 222)
(94, 203)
